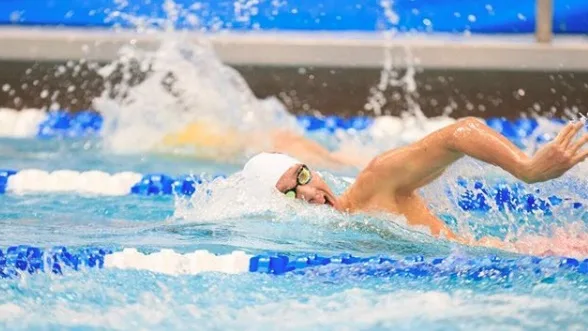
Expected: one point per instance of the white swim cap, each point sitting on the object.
(267, 168)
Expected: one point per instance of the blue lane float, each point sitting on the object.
(4, 175)
(74, 125)
(476, 196)
(89, 123)
(29, 259)
(24, 259)
(507, 196)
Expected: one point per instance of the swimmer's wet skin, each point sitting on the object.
(389, 182)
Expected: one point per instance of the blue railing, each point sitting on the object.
(477, 16)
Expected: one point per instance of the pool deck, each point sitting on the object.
(303, 49)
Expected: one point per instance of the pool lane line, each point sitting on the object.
(61, 123)
(19, 260)
(476, 196)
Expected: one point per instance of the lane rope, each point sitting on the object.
(41, 124)
(476, 196)
(18, 260)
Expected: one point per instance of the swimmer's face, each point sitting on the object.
(315, 191)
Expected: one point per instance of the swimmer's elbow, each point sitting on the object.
(456, 134)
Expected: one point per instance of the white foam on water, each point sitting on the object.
(245, 198)
(350, 309)
(356, 308)
(169, 262)
(20, 124)
(87, 182)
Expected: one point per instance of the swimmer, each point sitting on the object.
(216, 142)
(389, 182)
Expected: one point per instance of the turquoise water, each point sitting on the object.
(319, 299)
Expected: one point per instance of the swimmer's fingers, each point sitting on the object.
(564, 133)
(571, 133)
(581, 157)
(578, 144)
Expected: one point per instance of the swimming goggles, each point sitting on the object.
(303, 177)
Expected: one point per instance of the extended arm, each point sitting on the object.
(218, 142)
(314, 154)
(425, 160)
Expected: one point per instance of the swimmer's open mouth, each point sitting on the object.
(328, 201)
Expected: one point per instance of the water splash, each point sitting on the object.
(153, 93)
(185, 83)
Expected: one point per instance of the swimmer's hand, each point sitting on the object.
(557, 157)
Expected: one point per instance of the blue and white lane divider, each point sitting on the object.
(18, 260)
(475, 196)
(87, 182)
(97, 182)
(34, 122)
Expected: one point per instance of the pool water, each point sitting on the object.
(325, 298)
